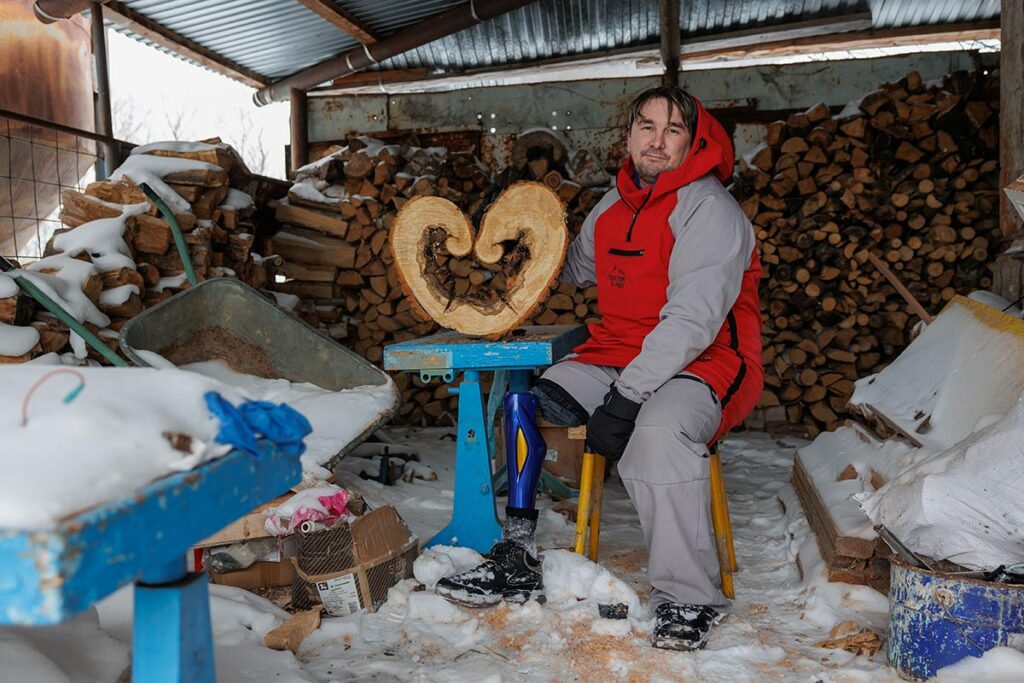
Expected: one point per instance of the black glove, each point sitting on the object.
(609, 428)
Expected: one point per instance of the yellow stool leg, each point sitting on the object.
(583, 506)
(597, 490)
(722, 526)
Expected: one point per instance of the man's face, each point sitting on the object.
(657, 141)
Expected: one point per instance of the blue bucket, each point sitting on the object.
(936, 620)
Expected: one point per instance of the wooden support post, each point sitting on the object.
(299, 129)
(1011, 108)
(669, 11)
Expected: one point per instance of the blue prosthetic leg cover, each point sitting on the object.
(524, 449)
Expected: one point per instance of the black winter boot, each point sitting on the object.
(511, 571)
(683, 627)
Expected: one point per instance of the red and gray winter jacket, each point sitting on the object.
(676, 269)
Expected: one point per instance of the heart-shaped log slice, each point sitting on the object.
(519, 251)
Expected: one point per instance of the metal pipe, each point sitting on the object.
(299, 129)
(60, 127)
(357, 59)
(49, 11)
(104, 117)
(669, 13)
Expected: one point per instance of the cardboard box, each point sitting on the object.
(564, 456)
(350, 567)
(259, 575)
(247, 528)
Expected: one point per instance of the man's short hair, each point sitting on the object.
(677, 98)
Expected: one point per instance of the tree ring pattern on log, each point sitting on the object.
(487, 283)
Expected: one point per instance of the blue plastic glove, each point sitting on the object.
(281, 424)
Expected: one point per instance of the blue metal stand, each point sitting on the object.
(172, 638)
(52, 574)
(474, 521)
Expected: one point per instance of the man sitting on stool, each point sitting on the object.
(674, 363)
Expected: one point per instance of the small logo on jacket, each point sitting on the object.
(617, 278)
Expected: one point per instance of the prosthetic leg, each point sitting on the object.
(524, 452)
(511, 571)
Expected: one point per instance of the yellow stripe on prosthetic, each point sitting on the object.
(520, 450)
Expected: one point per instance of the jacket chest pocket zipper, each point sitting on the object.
(626, 252)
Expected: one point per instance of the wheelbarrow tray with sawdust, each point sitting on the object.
(201, 315)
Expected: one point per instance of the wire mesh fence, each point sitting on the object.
(37, 164)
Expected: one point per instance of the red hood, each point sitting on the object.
(711, 150)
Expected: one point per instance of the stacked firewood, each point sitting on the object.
(117, 247)
(334, 242)
(908, 175)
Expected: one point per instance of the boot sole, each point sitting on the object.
(680, 645)
(478, 601)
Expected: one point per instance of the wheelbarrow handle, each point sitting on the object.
(179, 238)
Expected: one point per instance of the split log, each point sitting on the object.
(522, 237)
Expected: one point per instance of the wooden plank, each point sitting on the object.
(1011, 109)
(307, 246)
(847, 559)
(308, 272)
(140, 24)
(915, 306)
(346, 21)
(306, 217)
(376, 77)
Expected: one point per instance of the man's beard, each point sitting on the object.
(647, 173)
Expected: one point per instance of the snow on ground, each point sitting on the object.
(783, 608)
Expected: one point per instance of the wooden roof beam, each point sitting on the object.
(346, 21)
(122, 15)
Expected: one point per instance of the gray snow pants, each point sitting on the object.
(665, 470)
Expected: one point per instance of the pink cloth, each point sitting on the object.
(327, 509)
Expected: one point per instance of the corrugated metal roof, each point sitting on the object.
(275, 38)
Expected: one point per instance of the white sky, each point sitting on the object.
(151, 89)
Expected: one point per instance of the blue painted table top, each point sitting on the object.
(525, 347)
(50, 575)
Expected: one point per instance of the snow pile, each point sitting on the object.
(8, 287)
(106, 442)
(998, 665)
(980, 352)
(961, 504)
(74, 651)
(570, 578)
(151, 169)
(337, 417)
(238, 200)
(101, 237)
(69, 296)
(17, 341)
(832, 454)
(440, 561)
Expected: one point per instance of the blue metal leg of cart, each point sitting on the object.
(474, 521)
(172, 638)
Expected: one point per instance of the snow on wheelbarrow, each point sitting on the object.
(225, 329)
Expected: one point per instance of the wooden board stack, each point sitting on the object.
(125, 260)
(910, 173)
